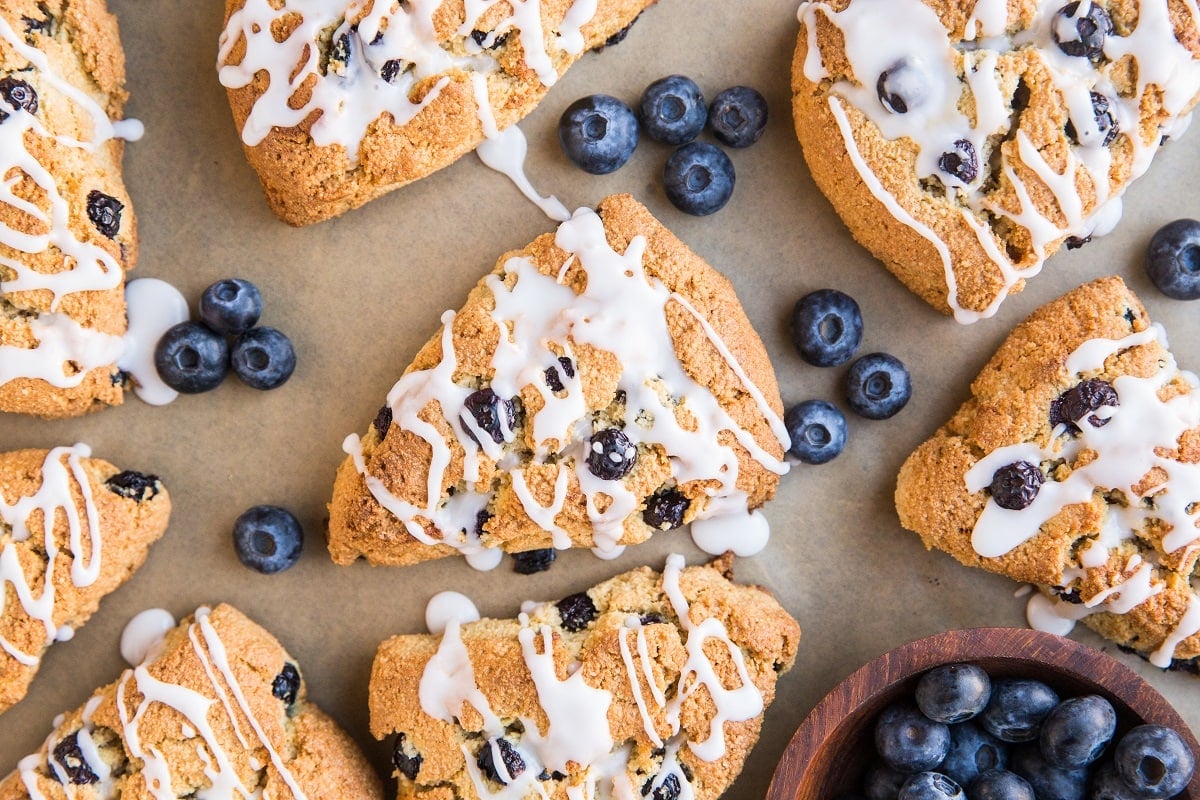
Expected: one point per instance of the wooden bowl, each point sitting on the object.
(834, 746)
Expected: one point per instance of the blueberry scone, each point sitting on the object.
(340, 102)
(648, 685)
(965, 142)
(1075, 466)
(218, 709)
(103, 522)
(599, 385)
(67, 230)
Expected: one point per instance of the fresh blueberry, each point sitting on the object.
(883, 783)
(286, 685)
(1104, 130)
(1015, 486)
(134, 485)
(267, 539)
(263, 358)
(576, 611)
(611, 454)
(18, 95)
(826, 327)
(903, 86)
(999, 784)
(405, 757)
(699, 178)
(231, 306)
(1082, 37)
(104, 212)
(1076, 732)
(817, 429)
(1173, 259)
(1108, 785)
(1075, 403)
(533, 561)
(493, 415)
(514, 765)
(665, 509)
(877, 386)
(598, 133)
(908, 740)
(68, 755)
(1016, 709)
(972, 751)
(961, 162)
(953, 692)
(1154, 761)
(672, 110)
(190, 358)
(738, 116)
(930, 786)
(1048, 781)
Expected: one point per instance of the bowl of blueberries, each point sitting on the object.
(991, 714)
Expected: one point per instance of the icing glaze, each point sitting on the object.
(153, 307)
(446, 606)
(143, 635)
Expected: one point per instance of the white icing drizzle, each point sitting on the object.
(621, 310)
(153, 307)
(934, 122)
(143, 635)
(446, 606)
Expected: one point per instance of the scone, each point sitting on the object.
(338, 102)
(647, 685)
(104, 522)
(965, 142)
(1075, 466)
(67, 229)
(599, 385)
(218, 709)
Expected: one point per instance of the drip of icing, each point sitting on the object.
(446, 606)
(143, 635)
(743, 535)
(153, 307)
(646, 671)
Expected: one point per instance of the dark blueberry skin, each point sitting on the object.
(672, 110)
(598, 133)
(231, 307)
(611, 455)
(1016, 709)
(286, 685)
(909, 741)
(514, 765)
(883, 783)
(878, 386)
(1082, 37)
(531, 562)
(104, 212)
(1108, 785)
(902, 87)
(962, 162)
(826, 327)
(1076, 732)
(1154, 761)
(668, 789)
(1048, 781)
(263, 358)
(1015, 486)
(134, 485)
(953, 692)
(267, 539)
(738, 116)
(1080, 400)
(620, 35)
(817, 430)
(698, 179)
(1106, 123)
(577, 611)
(1173, 259)
(487, 409)
(999, 784)
(191, 359)
(405, 758)
(931, 786)
(665, 509)
(382, 421)
(68, 756)
(390, 69)
(554, 379)
(18, 95)
(972, 751)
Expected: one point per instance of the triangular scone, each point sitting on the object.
(598, 385)
(217, 709)
(67, 229)
(104, 523)
(341, 102)
(1075, 466)
(646, 685)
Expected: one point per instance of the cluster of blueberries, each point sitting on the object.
(599, 133)
(826, 327)
(1014, 739)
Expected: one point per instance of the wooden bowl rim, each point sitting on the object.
(1019, 645)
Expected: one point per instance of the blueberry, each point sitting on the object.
(405, 757)
(817, 430)
(883, 782)
(577, 611)
(738, 116)
(231, 306)
(665, 509)
(1106, 125)
(382, 421)
(493, 415)
(903, 86)
(972, 751)
(533, 561)
(598, 133)
(1048, 781)
(514, 765)
(698, 178)
(1173, 259)
(1015, 711)
(826, 327)
(620, 35)
(191, 359)
(908, 740)
(611, 454)
(877, 386)
(961, 162)
(286, 685)
(1108, 785)
(1015, 486)
(134, 485)
(267, 539)
(68, 755)
(1076, 732)
(953, 692)
(554, 378)
(18, 95)
(999, 784)
(667, 789)
(1082, 37)
(672, 110)
(390, 69)
(930, 786)
(263, 358)
(104, 212)
(1154, 761)
(1080, 400)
